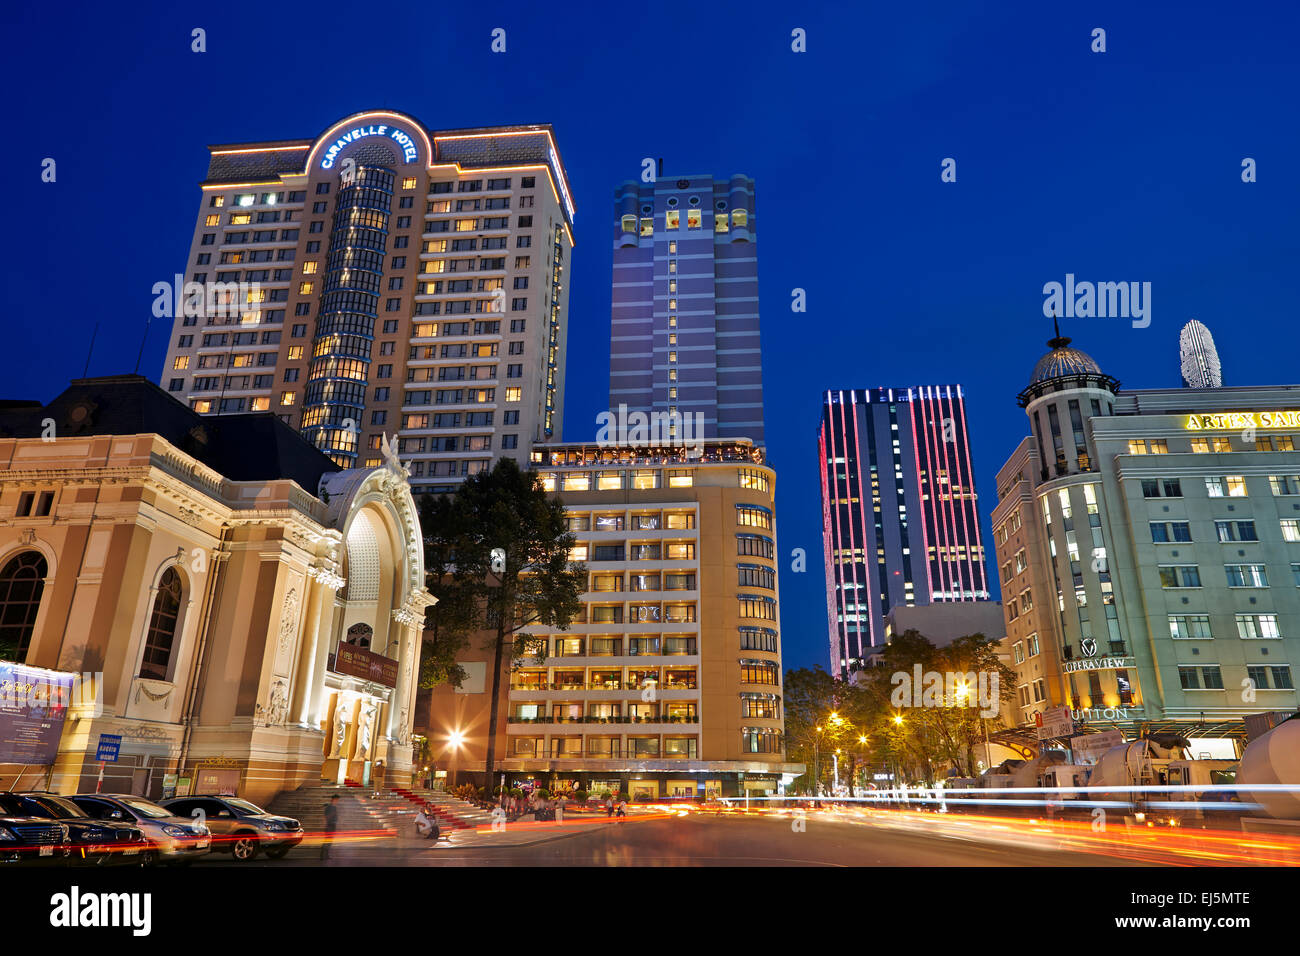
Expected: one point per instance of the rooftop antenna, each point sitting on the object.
(90, 351)
(1060, 341)
(144, 338)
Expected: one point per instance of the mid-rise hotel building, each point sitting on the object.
(684, 324)
(395, 278)
(669, 682)
(1166, 532)
(900, 516)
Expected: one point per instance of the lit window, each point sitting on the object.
(286, 398)
(674, 219)
(244, 200)
(213, 220)
(514, 393)
(309, 268)
(680, 479)
(694, 218)
(740, 218)
(629, 224)
(408, 182)
(295, 352)
(182, 361)
(305, 288)
(261, 404)
(240, 219)
(218, 201)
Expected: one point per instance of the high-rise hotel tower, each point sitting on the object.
(900, 517)
(384, 277)
(684, 316)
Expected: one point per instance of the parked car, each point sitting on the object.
(94, 842)
(171, 839)
(240, 828)
(28, 839)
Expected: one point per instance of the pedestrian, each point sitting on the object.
(331, 826)
(559, 809)
(609, 806)
(622, 808)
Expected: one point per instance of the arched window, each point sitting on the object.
(162, 627)
(360, 634)
(21, 584)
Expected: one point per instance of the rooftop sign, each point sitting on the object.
(1239, 421)
(399, 136)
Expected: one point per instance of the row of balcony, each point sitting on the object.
(617, 719)
(540, 752)
(629, 685)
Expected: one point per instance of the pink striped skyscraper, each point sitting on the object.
(900, 516)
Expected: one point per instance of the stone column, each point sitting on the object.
(303, 673)
(325, 634)
(403, 694)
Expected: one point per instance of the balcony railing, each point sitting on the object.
(621, 719)
(628, 685)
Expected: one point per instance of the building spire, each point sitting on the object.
(1059, 341)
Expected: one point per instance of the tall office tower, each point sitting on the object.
(384, 277)
(684, 318)
(1198, 357)
(900, 517)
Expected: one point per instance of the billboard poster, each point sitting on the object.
(33, 704)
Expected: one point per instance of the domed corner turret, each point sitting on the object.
(1065, 368)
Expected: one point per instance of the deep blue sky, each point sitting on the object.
(1116, 166)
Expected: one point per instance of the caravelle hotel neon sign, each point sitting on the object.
(1239, 421)
(397, 135)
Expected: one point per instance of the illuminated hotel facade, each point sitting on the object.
(669, 681)
(900, 515)
(384, 277)
(684, 321)
(1164, 525)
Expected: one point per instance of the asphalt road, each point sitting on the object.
(702, 840)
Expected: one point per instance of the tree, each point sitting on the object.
(947, 729)
(449, 623)
(504, 513)
(822, 713)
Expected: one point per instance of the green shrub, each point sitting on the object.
(580, 796)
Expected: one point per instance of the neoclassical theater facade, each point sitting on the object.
(247, 616)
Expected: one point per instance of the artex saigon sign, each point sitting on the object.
(33, 704)
(1240, 421)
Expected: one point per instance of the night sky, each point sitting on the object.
(1116, 166)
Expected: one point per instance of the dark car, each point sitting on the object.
(28, 839)
(93, 842)
(172, 839)
(238, 827)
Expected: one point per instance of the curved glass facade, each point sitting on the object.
(335, 396)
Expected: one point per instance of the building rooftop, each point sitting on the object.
(252, 447)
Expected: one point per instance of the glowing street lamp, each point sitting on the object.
(455, 740)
